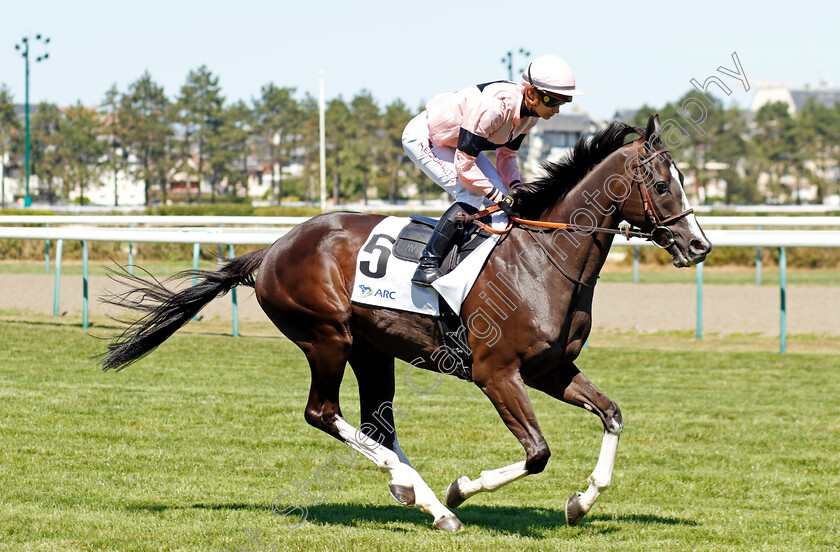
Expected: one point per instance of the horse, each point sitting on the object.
(528, 314)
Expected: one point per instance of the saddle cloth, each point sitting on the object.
(383, 279)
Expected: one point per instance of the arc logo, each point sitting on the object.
(367, 291)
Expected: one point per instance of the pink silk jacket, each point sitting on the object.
(482, 118)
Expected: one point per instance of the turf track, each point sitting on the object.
(187, 450)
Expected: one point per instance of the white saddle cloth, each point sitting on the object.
(383, 280)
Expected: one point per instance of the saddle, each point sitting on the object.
(409, 247)
(413, 239)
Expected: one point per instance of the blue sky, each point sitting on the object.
(623, 53)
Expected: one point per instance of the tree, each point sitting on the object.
(774, 145)
(45, 126)
(309, 145)
(239, 143)
(278, 124)
(145, 129)
(200, 107)
(818, 133)
(366, 139)
(339, 124)
(112, 126)
(80, 149)
(392, 156)
(731, 148)
(10, 133)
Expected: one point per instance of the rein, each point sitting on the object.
(661, 236)
(526, 223)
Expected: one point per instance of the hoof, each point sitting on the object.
(454, 497)
(448, 523)
(402, 494)
(574, 512)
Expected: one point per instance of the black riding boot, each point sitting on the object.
(428, 269)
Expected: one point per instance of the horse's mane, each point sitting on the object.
(536, 197)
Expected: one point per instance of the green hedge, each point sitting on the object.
(797, 257)
(13, 249)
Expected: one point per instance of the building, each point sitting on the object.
(795, 98)
(552, 139)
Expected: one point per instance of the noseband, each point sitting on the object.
(661, 235)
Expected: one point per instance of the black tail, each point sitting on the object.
(166, 311)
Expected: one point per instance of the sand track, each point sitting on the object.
(727, 309)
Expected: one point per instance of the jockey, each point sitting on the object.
(447, 141)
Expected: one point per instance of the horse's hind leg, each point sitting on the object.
(573, 387)
(376, 438)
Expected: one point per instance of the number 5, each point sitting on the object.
(382, 262)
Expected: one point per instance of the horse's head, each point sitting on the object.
(657, 203)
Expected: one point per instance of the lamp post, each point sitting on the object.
(508, 60)
(24, 45)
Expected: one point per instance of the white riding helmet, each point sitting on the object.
(551, 74)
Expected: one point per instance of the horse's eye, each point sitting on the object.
(660, 187)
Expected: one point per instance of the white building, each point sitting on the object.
(795, 98)
(552, 139)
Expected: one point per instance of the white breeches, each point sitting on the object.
(438, 163)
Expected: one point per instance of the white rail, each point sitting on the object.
(224, 236)
(155, 220)
(265, 236)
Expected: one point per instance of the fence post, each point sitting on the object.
(783, 293)
(58, 246)
(47, 251)
(84, 284)
(196, 249)
(233, 295)
(699, 300)
(131, 254)
(636, 264)
(221, 251)
(758, 262)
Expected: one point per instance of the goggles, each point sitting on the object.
(552, 101)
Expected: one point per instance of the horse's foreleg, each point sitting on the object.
(573, 387)
(510, 398)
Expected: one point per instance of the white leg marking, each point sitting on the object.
(491, 480)
(389, 461)
(601, 476)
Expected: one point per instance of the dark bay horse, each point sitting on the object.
(528, 314)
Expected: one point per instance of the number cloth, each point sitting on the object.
(383, 280)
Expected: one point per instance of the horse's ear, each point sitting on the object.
(653, 130)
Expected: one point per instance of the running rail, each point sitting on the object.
(265, 236)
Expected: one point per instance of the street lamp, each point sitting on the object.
(508, 60)
(24, 45)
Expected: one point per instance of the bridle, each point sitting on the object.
(661, 235)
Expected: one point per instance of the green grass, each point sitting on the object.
(187, 449)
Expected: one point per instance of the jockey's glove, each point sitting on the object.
(508, 205)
